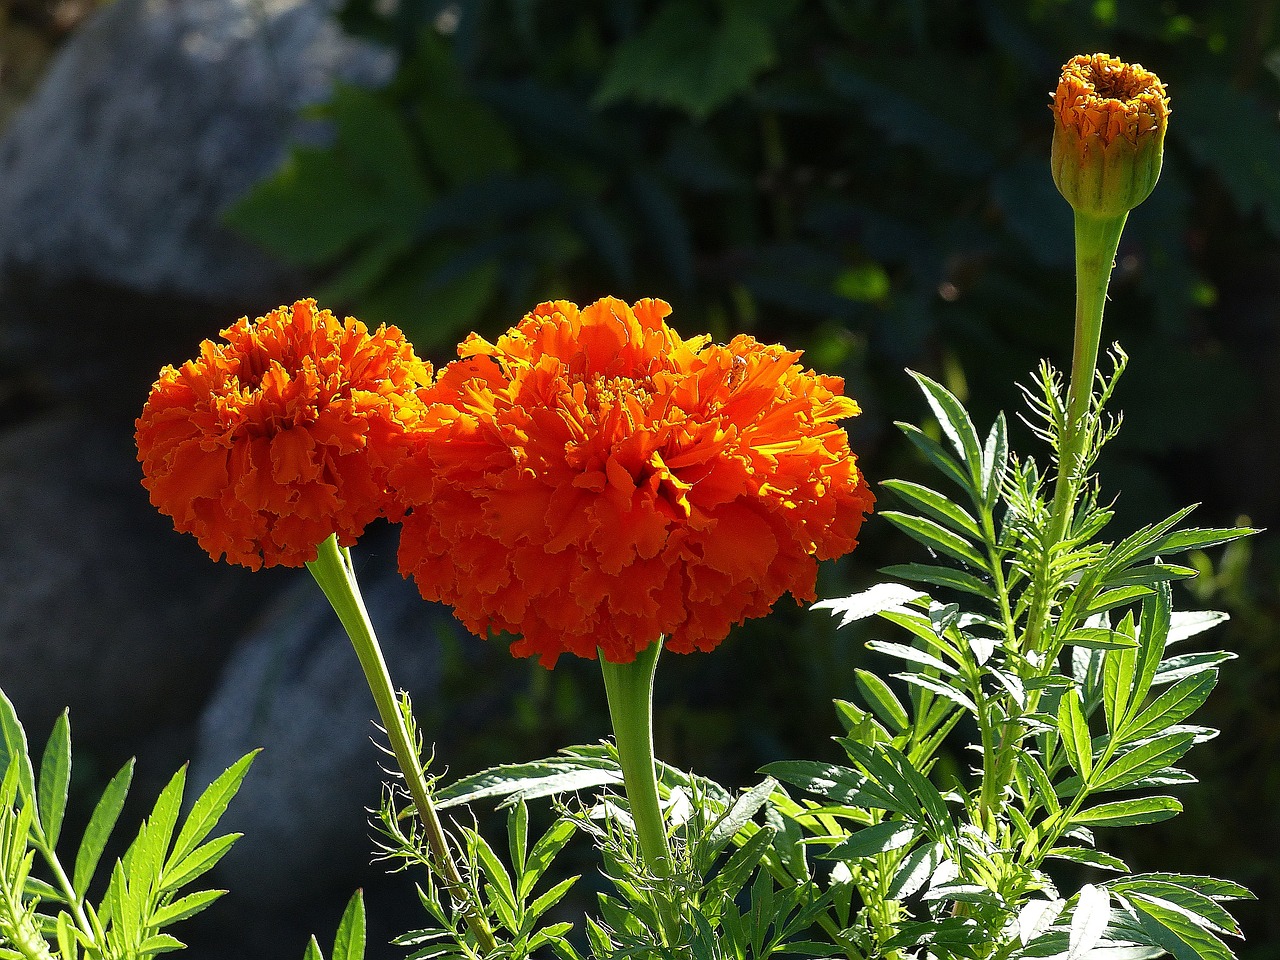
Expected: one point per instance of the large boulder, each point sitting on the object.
(154, 117)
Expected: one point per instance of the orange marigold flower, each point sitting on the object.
(594, 481)
(1110, 119)
(265, 445)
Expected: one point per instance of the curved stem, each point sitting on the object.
(629, 689)
(333, 572)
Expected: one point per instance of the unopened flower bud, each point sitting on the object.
(1108, 134)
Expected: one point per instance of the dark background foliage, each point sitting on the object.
(870, 181)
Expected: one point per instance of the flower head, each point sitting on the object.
(592, 480)
(265, 445)
(1108, 134)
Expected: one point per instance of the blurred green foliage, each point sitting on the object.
(867, 179)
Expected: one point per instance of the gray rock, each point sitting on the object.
(154, 117)
(294, 687)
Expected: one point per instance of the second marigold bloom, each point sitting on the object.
(267, 444)
(1108, 134)
(592, 480)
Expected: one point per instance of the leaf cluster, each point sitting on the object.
(45, 910)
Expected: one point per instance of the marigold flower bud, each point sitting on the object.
(1108, 135)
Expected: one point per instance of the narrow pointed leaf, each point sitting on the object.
(936, 537)
(936, 507)
(1088, 921)
(955, 423)
(350, 940)
(1127, 813)
(878, 838)
(209, 808)
(101, 823)
(55, 778)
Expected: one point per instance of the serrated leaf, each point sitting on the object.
(912, 655)
(101, 823)
(1189, 623)
(942, 577)
(935, 453)
(1127, 813)
(941, 688)
(529, 781)
(878, 838)
(1173, 706)
(13, 744)
(881, 699)
(1151, 575)
(349, 942)
(936, 507)
(1074, 730)
(914, 871)
(1110, 599)
(868, 603)
(55, 778)
(1179, 935)
(1147, 758)
(209, 808)
(1176, 669)
(1036, 917)
(1089, 857)
(936, 537)
(313, 951)
(743, 810)
(1099, 638)
(954, 420)
(185, 907)
(842, 785)
(198, 862)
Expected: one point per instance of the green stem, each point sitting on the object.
(333, 572)
(629, 689)
(1097, 239)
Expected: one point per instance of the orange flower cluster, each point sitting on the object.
(594, 481)
(1103, 97)
(266, 445)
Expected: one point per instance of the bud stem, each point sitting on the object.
(1097, 239)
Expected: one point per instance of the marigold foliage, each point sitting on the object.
(592, 480)
(268, 443)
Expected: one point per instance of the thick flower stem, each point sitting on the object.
(333, 572)
(1097, 239)
(629, 689)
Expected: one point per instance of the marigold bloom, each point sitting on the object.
(594, 481)
(1108, 137)
(265, 445)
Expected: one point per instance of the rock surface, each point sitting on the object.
(154, 117)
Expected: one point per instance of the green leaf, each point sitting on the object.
(1074, 731)
(879, 838)
(915, 870)
(1091, 858)
(1147, 758)
(941, 688)
(543, 854)
(349, 942)
(198, 862)
(1151, 575)
(1173, 706)
(1153, 632)
(936, 537)
(185, 907)
(1178, 668)
(1203, 909)
(1127, 813)
(942, 577)
(13, 743)
(209, 808)
(1111, 599)
(313, 951)
(542, 778)
(881, 699)
(955, 423)
(101, 823)
(55, 779)
(682, 58)
(936, 506)
(146, 856)
(841, 785)
(1189, 623)
(912, 655)
(1099, 638)
(935, 454)
(157, 944)
(1117, 685)
(1194, 538)
(995, 462)
(1181, 936)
